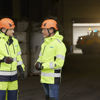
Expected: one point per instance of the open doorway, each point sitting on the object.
(82, 29)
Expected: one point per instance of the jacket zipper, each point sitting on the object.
(8, 54)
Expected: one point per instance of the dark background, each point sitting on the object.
(81, 73)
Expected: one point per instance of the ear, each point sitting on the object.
(3, 30)
(51, 30)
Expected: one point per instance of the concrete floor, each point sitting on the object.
(80, 80)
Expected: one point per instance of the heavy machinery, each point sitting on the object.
(89, 44)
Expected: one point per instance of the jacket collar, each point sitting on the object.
(2, 35)
(56, 36)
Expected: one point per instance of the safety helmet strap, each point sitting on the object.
(50, 32)
(4, 32)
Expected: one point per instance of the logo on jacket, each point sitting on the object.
(51, 47)
(16, 45)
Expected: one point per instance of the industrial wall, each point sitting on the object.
(79, 11)
(30, 40)
(67, 11)
(23, 37)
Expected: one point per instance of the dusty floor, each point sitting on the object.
(80, 80)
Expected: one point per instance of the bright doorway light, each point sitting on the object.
(81, 29)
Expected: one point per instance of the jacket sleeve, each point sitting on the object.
(2, 53)
(40, 55)
(19, 58)
(39, 59)
(1, 58)
(58, 58)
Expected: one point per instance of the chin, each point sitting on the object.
(11, 35)
(44, 36)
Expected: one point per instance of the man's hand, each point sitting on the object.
(21, 72)
(38, 66)
(8, 60)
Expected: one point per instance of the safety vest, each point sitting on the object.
(52, 56)
(9, 71)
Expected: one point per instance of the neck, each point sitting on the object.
(51, 34)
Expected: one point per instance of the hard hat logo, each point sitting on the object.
(7, 23)
(49, 23)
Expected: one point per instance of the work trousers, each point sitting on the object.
(51, 91)
(9, 90)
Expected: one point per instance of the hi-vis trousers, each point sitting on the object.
(9, 90)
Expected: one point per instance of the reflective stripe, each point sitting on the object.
(51, 74)
(14, 59)
(51, 65)
(19, 53)
(19, 63)
(61, 56)
(6, 73)
(58, 40)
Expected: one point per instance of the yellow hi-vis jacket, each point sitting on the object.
(13, 51)
(52, 56)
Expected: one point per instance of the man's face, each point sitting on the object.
(45, 32)
(9, 32)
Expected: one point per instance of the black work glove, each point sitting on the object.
(21, 72)
(38, 66)
(7, 60)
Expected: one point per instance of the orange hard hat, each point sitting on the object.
(7, 23)
(49, 23)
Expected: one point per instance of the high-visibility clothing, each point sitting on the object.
(52, 56)
(6, 50)
(9, 90)
(8, 72)
(9, 85)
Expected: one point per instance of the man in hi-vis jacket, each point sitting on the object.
(51, 59)
(10, 61)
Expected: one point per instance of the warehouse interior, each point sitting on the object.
(80, 75)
